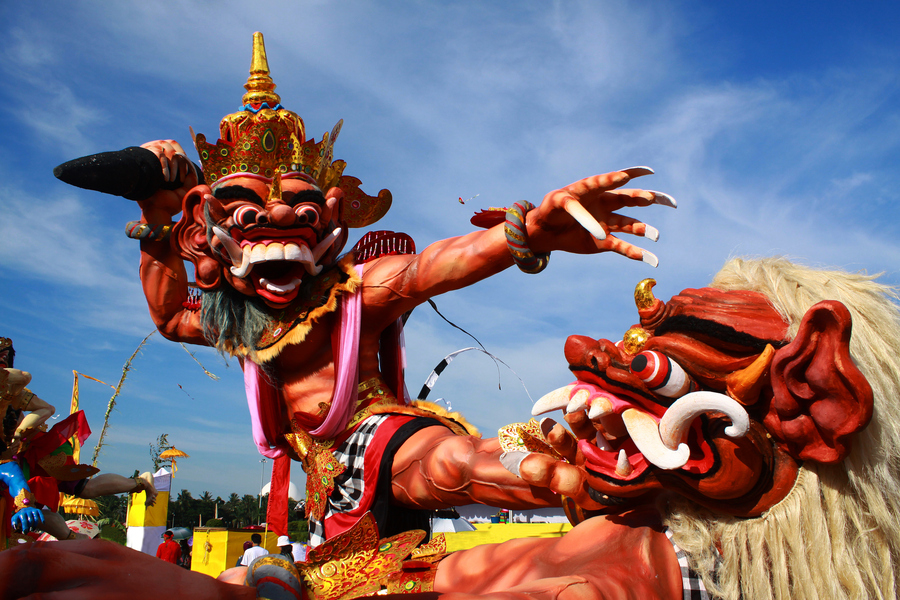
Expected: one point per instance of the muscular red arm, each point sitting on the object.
(394, 285)
(604, 558)
(162, 272)
(436, 468)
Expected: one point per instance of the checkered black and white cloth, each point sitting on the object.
(349, 486)
(690, 582)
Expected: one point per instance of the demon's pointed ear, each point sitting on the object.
(190, 236)
(820, 398)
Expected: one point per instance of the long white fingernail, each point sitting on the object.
(663, 199)
(651, 233)
(585, 219)
(638, 171)
(649, 258)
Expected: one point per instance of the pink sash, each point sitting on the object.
(263, 397)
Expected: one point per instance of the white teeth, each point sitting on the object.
(602, 443)
(600, 407)
(258, 253)
(279, 289)
(578, 402)
(644, 432)
(623, 467)
(558, 398)
(292, 252)
(275, 251)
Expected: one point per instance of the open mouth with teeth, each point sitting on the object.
(275, 268)
(274, 265)
(627, 435)
(630, 439)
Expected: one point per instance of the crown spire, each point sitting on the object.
(260, 87)
(265, 140)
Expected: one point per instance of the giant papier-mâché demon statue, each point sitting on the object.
(316, 331)
(781, 382)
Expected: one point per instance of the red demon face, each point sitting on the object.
(708, 398)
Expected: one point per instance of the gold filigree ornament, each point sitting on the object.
(24, 499)
(320, 466)
(264, 138)
(526, 437)
(433, 551)
(356, 563)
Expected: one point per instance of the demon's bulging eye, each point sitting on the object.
(246, 215)
(307, 215)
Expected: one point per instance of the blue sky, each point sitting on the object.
(776, 127)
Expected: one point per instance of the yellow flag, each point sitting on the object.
(76, 445)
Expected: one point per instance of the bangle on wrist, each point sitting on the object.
(517, 242)
(147, 231)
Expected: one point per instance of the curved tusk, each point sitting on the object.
(231, 246)
(325, 244)
(585, 219)
(554, 400)
(678, 418)
(644, 432)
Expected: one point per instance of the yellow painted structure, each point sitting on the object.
(141, 515)
(495, 533)
(216, 548)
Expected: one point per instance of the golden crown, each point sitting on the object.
(264, 138)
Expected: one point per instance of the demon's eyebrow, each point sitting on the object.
(236, 192)
(715, 330)
(314, 196)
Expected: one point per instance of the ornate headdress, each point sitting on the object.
(264, 138)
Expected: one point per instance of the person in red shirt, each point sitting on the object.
(169, 550)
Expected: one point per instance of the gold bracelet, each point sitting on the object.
(139, 483)
(30, 398)
(24, 499)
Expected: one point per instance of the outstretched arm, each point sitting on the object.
(436, 468)
(396, 284)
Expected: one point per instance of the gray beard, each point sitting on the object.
(231, 319)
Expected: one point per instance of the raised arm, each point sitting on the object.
(162, 271)
(578, 218)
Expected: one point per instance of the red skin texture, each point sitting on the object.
(605, 558)
(434, 467)
(102, 570)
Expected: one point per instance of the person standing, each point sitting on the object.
(169, 550)
(286, 546)
(253, 551)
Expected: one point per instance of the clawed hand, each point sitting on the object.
(580, 217)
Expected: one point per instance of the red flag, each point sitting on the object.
(277, 512)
